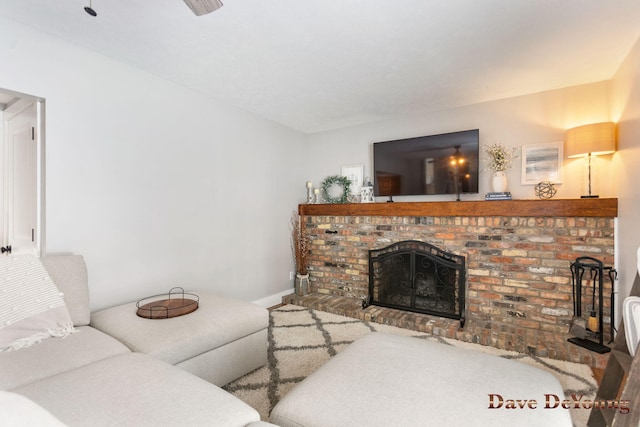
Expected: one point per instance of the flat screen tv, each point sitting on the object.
(427, 165)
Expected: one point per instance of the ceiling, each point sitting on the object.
(315, 65)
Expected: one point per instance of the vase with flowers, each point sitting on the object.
(500, 158)
(300, 243)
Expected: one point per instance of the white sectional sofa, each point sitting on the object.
(91, 378)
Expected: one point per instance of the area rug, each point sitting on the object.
(301, 340)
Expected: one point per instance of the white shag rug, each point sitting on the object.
(301, 340)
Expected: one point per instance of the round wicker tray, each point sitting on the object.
(173, 305)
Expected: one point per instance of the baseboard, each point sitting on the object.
(272, 300)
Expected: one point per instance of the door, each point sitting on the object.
(21, 178)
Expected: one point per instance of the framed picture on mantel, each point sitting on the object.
(542, 162)
(355, 174)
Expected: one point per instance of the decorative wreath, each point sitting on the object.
(341, 181)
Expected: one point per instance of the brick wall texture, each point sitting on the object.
(519, 283)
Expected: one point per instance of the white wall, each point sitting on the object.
(155, 185)
(625, 102)
(536, 118)
(158, 186)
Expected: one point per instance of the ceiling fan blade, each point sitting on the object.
(202, 7)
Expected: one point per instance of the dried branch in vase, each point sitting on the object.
(300, 242)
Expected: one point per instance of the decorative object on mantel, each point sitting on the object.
(355, 175)
(309, 192)
(335, 189)
(503, 195)
(499, 182)
(589, 141)
(300, 243)
(173, 305)
(366, 193)
(316, 196)
(500, 159)
(541, 162)
(545, 190)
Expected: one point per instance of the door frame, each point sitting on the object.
(18, 100)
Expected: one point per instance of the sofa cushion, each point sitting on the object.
(54, 356)
(218, 320)
(31, 306)
(18, 411)
(137, 390)
(69, 273)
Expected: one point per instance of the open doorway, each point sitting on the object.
(22, 174)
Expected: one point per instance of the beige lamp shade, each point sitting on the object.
(595, 139)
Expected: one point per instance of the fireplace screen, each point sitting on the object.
(418, 277)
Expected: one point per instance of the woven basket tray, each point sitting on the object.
(175, 303)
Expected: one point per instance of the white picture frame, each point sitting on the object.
(355, 174)
(542, 162)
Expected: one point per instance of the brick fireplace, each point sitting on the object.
(518, 255)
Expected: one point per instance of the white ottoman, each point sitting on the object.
(390, 380)
(222, 340)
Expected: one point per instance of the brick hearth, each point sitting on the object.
(519, 293)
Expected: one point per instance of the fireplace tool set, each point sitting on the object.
(589, 332)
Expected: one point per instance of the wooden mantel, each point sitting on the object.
(606, 208)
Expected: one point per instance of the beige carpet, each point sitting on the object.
(301, 340)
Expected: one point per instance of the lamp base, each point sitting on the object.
(589, 197)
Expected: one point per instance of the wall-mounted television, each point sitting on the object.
(423, 165)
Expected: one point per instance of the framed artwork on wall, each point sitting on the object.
(542, 162)
(355, 174)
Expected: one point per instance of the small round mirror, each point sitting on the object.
(335, 189)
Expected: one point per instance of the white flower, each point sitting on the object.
(500, 157)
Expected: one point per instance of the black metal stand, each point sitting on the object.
(590, 345)
(596, 269)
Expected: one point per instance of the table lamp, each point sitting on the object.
(589, 141)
